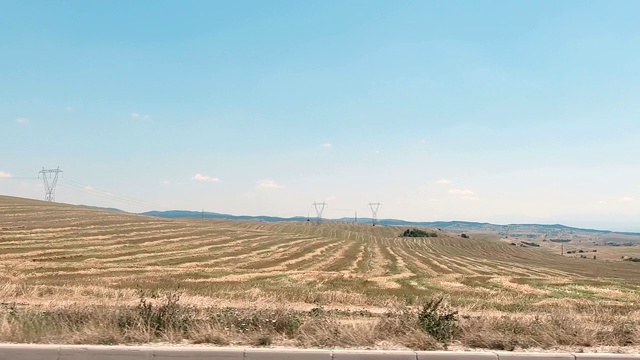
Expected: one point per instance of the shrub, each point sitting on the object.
(418, 233)
(263, 340)
(438, 320)
(161, 318)
(532, 244)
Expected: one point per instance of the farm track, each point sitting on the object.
(55, 245)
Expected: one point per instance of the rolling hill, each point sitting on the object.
(61, 258)
(58, 245)
(518, 230)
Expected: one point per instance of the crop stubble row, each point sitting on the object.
(93, 245)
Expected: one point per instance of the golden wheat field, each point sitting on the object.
(61, 255)
(75, 252)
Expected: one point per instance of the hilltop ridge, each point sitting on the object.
(513, 230)
(454, 225)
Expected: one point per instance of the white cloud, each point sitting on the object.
(138, 116)
(205, 178)
(465, 194)
(444, 181)
(626, 199)
(89, 188)
(22, 121)
(331, 198)
(5, 175)
(269, 184)
(327, 145)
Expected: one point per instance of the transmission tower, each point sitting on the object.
(319, 209)
(374, 211)
(50, 178)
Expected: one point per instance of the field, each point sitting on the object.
(612, 247)
(62, 259)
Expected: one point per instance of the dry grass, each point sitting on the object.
(55, 258)
(166, 320)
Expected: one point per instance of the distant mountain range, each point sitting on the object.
(101, 208)
(175, 214)
(452, 226)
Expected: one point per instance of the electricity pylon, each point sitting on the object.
(319, 209)
(374, 211)
(50, 178)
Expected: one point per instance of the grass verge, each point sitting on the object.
(431, 326)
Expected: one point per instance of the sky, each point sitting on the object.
(491, 111)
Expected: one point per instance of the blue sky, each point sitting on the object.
(500, 111)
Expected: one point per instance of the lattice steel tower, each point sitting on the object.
(374, 212)
(319, 209)
(50, 178)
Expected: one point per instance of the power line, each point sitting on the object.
(51, 180)
(109, 193)
(20, 178)
(78, 186)
(99, 194)
(109, 196)
(340, 209)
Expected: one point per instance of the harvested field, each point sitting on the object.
(56, 256)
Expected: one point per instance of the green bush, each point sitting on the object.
(418, 233)
(168, 315)
(438, 320)
(532, 244)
